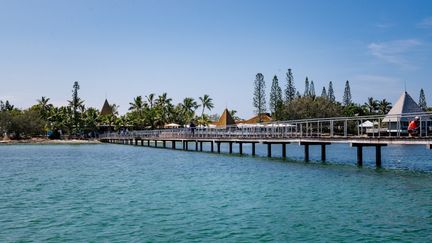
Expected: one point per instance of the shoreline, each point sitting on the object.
(48, 141)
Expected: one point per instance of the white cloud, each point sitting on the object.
(425, 23)
(394, 52)
(383, 25)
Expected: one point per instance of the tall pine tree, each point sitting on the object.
(324, 93)
(259, 100)
(347, 94)
(422, 100)
(330, 93)
(275, 98)
(76, 104)
(312, 89)
(290, 90)
(306, 91)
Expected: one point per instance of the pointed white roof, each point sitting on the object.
(404, 105)
(366, 124)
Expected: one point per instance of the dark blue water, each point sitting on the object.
(84, 193)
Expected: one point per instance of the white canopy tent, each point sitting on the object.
(366, 124)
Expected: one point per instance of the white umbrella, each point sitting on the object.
(172, 125)
(366, 124)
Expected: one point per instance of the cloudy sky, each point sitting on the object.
(121, 49)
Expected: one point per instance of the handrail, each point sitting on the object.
(319, 127)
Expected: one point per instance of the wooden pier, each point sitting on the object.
(305, 133)
(196, 144)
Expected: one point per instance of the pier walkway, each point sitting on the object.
(384, 131)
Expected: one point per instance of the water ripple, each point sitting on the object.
(95, 193)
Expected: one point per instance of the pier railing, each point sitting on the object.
(376, 126)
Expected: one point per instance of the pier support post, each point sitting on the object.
(173, 144)
(378, 156)
(323, 152)
(240, 147)
(253, 149)
(306, 151)
(230, 147)
(269, 147)
(155, 143)
(164, 144)
(218, 147)
(187, 145)
(359, 155)
(142, 142)
(201, 146)
(148, 143)
(283, 150)
(212, 146)
(378, 159)
(136, 142)
(196, 145)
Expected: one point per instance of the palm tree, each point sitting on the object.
(163, 109)
(384, 106)
(204, 120)
(137, 104)
(150, 100)
(371, 105)
(206, 102)
(188, 106)
(44, 107)
(91, 119)
(234, 116)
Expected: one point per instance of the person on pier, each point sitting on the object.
(414, 127)
(192, 127)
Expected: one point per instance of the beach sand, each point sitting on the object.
(48, 141)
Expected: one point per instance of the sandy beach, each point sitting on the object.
(48, 141)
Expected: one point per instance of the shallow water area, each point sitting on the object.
(106, 192)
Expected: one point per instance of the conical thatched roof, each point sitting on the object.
(264, 117)
(225, 119)
(404, 105)
(106, 109)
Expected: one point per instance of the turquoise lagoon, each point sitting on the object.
(114, 193)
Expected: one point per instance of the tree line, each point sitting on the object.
(291, 104)
(77, 120)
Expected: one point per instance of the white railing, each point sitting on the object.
(387, 126)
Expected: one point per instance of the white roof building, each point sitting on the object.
(404, 105)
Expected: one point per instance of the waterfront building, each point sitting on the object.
(404, 111)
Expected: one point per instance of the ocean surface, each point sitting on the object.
(117, 193)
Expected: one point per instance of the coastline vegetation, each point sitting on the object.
(77, 121)
(293, 105)
(151, 111)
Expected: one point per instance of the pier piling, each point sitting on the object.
(359, 155)
(253, 149)
(284, 150)
(269, 148)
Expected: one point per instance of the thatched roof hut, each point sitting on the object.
(106, 109)
(225, 119)
(263, 117)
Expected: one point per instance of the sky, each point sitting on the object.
(121, 49)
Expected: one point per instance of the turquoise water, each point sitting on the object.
(114, 193)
